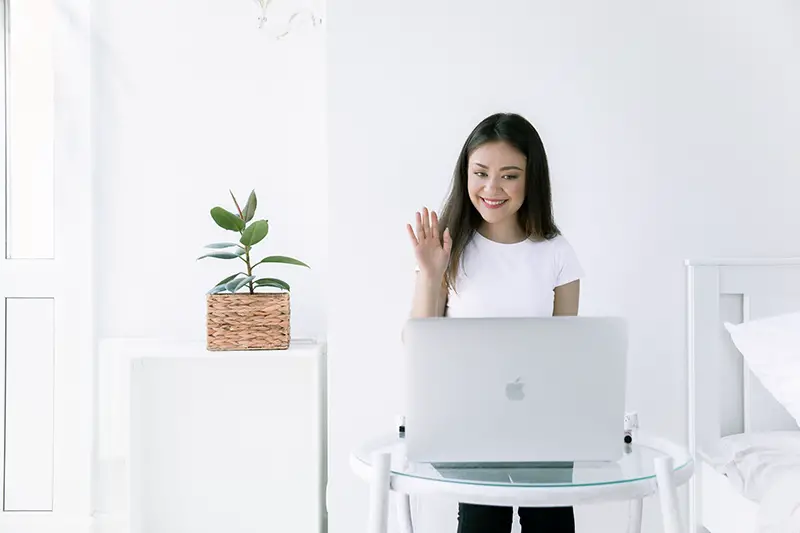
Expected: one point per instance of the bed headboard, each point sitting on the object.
(724, 397)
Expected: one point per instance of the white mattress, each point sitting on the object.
(751, 483)
(723, 509)
(754, 462)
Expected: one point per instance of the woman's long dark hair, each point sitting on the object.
(535, 215)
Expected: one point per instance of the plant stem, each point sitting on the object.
(249, 268)
(246, 249)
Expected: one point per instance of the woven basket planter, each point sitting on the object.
(247, 321)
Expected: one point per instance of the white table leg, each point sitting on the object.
(635, 516)
(404, 513)
(668, 494)
(379, 494)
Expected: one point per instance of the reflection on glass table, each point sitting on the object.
(647, 467)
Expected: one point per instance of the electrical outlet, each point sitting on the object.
(631, 421)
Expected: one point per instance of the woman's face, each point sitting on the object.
(496, 181)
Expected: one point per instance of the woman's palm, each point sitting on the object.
(432, 253)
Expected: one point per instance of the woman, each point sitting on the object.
(500, 254)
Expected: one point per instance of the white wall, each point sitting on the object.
(192, 99)
(671, 130)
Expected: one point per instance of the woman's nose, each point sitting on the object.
(492, 184)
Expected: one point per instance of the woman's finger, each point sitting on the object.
(426, 222)
(447, 241)
(434, 226)
(413, 237)
(420, 227)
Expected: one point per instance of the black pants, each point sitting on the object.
(489, 519)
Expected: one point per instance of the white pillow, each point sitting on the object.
(771, 348)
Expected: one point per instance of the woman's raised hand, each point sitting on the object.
(431, 252)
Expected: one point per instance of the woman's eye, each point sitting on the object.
(480, 174)
(510, 176)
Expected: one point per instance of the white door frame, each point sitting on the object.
(67, 278)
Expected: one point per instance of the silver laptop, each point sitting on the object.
(515, 390)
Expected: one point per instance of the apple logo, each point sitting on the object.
(514, 390)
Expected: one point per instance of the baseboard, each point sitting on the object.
(23, 522)
(110, 523)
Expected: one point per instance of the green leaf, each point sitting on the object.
(238, 283)
(227, 220)
(221, 245)
(255, 232)
(217, 289)
(223, 255)
(250, 207)
(272, 282)
(282, 259)
(226, 280)
(238, 209)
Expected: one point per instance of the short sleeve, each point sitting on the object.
(567, 266)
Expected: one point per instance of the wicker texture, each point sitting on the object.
(247, 321)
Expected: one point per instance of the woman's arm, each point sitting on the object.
(430, 297)
(566, 299)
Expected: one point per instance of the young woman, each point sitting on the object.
(497, 252)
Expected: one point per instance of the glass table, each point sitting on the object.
(648, 466)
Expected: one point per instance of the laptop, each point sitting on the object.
(514, 391)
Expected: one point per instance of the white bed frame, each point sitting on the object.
(724, 398)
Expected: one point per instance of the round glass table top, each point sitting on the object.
(636, 463)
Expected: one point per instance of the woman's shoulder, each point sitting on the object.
(556, 243)
(560, 242)
(568, 266)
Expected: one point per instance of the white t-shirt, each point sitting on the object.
(508, 280)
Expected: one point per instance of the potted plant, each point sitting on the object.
(243, 311)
